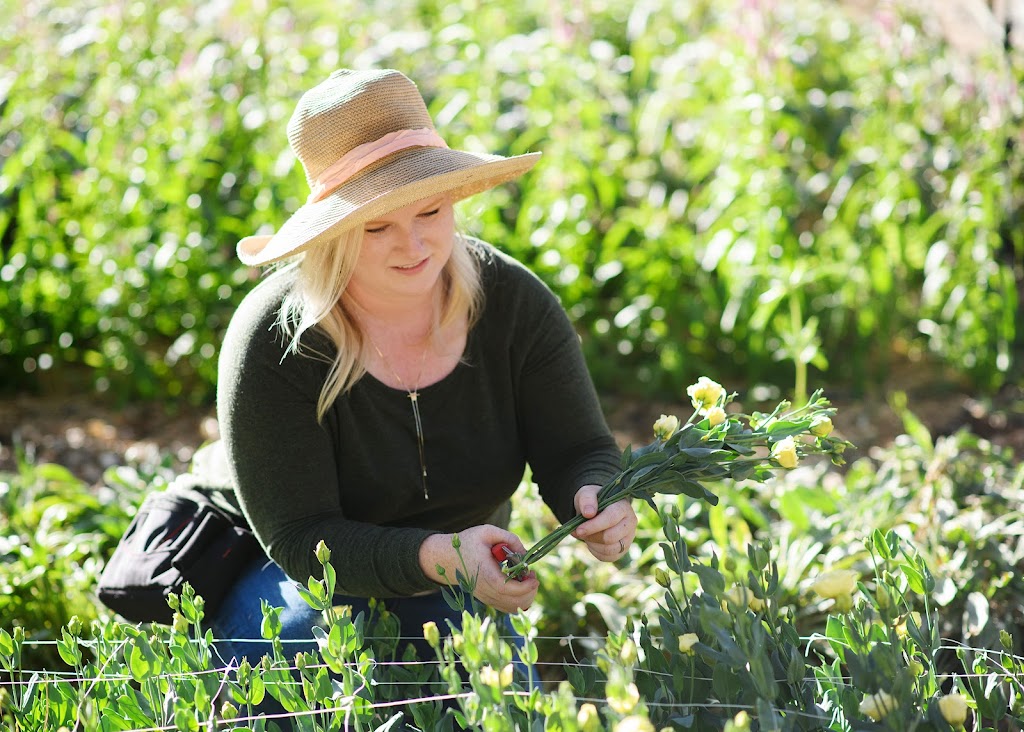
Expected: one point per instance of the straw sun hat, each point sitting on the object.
(368, 146)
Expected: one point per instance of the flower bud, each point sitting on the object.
(634, 723)
(666, 426)
(882, 596)
(1005, 640)
(954, 709)
(505, 677)
(784, 452)
(715, 416)
(179, 623)
(489, 676)
(662, 578)
(686, 643)
(625, 702)
(456, 541)
(877, 706)
(821, 426)
(588, 719)
(627, 654)
(74, 625)
(431, 634)
(323, 554)
(228, 711)
(739, 723)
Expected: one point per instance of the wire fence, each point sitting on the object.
(551, 676)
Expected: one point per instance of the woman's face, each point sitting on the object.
(404, 251)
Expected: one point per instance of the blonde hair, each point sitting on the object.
(317, 301)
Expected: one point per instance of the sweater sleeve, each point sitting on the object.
(568, 443)
(284, 464)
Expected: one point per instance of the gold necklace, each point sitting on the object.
(414, 397)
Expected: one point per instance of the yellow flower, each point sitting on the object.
(179, 623)
(489, 676)
(741, 595)
(882, 596)
(588, 719)
(838, 585)
(627, 654)
(877, 705)
(666, 426)
(634, 723)
(505, 678)
(705, 393)
(739, 723)
(954, 709)
(901, 626)
(784, 451)
(715, 416)
(686, 643)
(431, 634)
(626, 702)
(821, 427)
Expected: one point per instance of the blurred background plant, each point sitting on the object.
(763, 191)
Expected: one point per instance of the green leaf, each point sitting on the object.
(784, 428)
(69, 652)
(138, 665)
(880, 544)
(701, 452)
(710, 579)
(835, 633)
(914, 579)
(654, 458)
(128, 706)
(257, 690)
(6, 644)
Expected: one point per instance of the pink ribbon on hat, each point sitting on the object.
(363, 155)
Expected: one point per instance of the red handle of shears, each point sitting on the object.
(503, 552)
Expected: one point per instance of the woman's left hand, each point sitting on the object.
(607, 534)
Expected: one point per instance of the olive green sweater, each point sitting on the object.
(521, 395)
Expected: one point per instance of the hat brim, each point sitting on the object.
(392, 183)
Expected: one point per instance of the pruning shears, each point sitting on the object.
(505, 556)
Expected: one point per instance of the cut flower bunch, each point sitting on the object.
(711, 445)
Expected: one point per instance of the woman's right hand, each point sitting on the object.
(493, 588)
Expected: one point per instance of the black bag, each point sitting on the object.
(178, 535)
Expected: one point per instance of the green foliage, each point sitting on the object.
(788, 189)
(56, 533)
(722, 655)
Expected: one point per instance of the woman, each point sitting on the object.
(386, 390)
